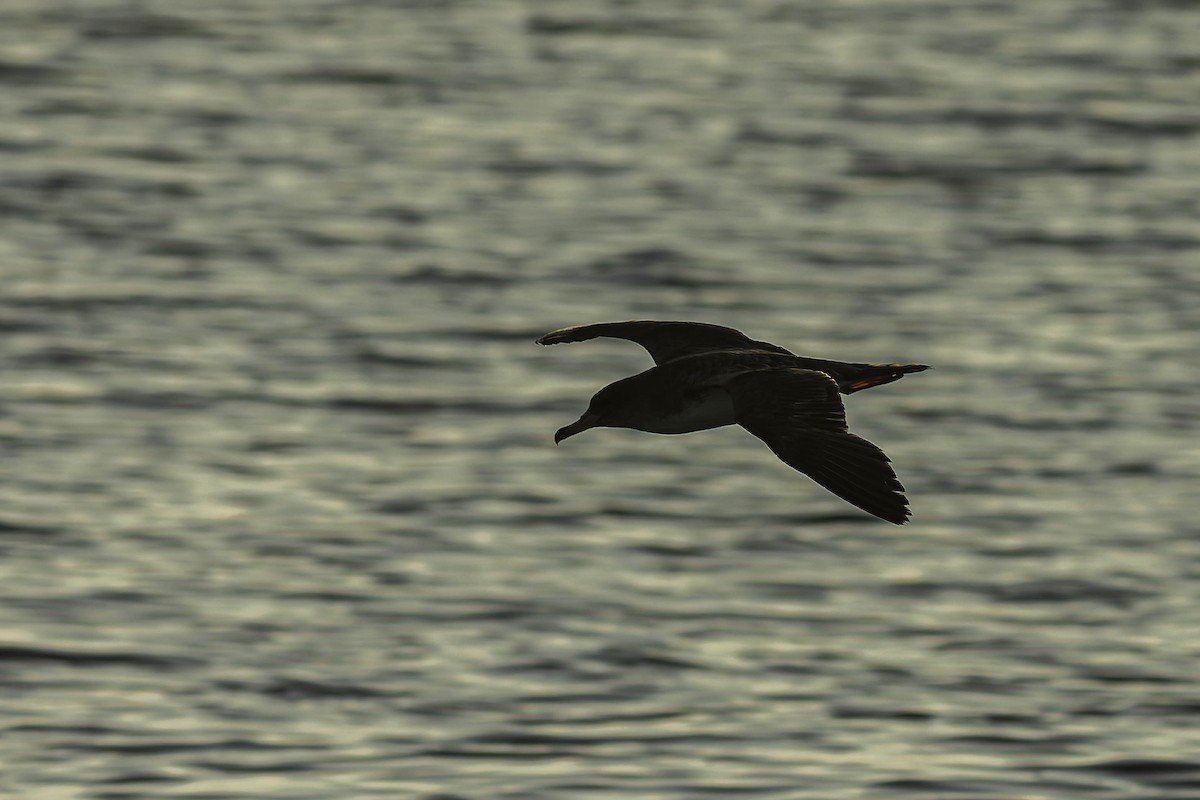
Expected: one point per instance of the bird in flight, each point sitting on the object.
(706, 376)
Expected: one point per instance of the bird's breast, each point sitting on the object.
(696, 411)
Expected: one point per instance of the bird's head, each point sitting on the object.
(608, 409)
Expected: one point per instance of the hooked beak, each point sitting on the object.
(588, 420)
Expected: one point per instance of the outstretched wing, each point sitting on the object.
(665, 341)
(799, 414)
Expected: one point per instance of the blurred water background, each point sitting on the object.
(280, 511)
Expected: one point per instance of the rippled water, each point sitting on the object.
(280, 511)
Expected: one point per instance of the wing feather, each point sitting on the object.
(799, 414)
(665, 341)
(668, 341)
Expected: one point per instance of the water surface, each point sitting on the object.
(280, 511)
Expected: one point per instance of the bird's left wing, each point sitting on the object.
(799, 414)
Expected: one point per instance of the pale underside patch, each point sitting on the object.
(703, 410)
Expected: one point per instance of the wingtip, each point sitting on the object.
(896, 510)
(897, 514)
(553, 337)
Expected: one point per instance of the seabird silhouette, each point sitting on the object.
(706, 376)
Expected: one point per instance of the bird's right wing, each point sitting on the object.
(665, 341)
(799, 414)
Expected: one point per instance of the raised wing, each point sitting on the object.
(799, 414)
(665, 341)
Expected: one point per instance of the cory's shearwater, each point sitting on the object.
(706, 376)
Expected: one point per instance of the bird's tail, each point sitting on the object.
(868, 375)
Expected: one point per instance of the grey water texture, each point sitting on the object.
(281, 514)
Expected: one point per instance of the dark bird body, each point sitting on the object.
(707, 376)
